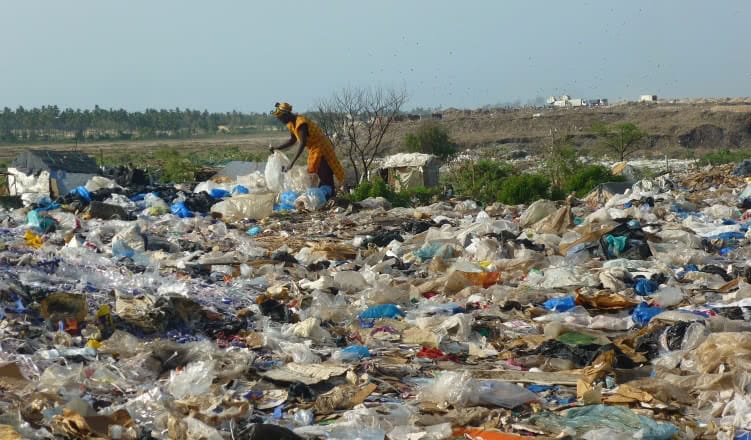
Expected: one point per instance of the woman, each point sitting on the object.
(321, 156)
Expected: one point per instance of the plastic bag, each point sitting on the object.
(312, 200)
(588, 418)
(194, 380)
(82, 192)
(560, 304)
(350, 281)
(298, 179)
(180, 210)
(536, 212)
(40, 222)
(273, 172)
(255, 206)
(643, 313)
(287, 201)
(668, 296)
(353, 353)
(98, 182)
(645, 287)
(219, 193)
(382, 311)
(239, 189)
(300, 353)
(451, 387)
(503, 394)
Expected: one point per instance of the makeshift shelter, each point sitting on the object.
(605, 191)
(626, 170)
(408, 170)
(37, 173)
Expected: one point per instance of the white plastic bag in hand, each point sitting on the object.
(274, 171)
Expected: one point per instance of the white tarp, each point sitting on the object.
(407, 160)
(20, 183)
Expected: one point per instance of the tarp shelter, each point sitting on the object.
(605, 191)
(408, 170)
(37, 173)
(626, 170)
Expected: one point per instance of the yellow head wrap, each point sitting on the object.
(281, 108)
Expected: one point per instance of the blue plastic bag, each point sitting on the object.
(82, 192)
(431, 250)
(382, 311)
(239, 189)
(286, 201)
(327, 190)
(255, 230)
(180, 210)
(354, 353)
(317, 196)
(727, 236)
(122, 250)
(643, 313)
(40, 222)
(616, 244)
(560, 304)
(645, 287)
(219, 193)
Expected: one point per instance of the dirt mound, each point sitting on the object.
(706, 135)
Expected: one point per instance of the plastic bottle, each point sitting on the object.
(304, 417)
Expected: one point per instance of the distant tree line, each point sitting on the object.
(50, 124)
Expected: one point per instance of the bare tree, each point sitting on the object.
(357, 119)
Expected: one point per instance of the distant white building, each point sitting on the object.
(597, 102)
(648, 98)
(567, 101)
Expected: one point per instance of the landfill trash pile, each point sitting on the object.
(234, 310)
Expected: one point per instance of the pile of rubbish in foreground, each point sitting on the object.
(203, 313)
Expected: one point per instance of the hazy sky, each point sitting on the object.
(246, 55)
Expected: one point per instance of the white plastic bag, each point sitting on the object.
(536, 212)
(256, 206)
(298, 179)
(194, 380)
(273, 172)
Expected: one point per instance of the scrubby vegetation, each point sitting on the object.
(378, 188)
(725, 156)
(489, 181)
(171, 165)
(430, 138)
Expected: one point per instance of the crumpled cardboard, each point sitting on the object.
(308, 374)
(342, 397)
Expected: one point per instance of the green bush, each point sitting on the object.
(480, 180)
(421, 196)
(524, 188)
(587, 178)
(725, 156)
(417, 196)
(430, 138)
(561, 162)
(175, 167)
